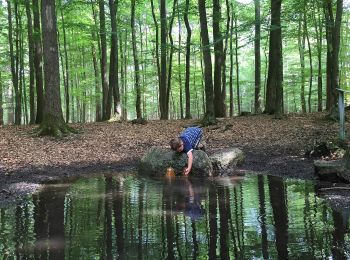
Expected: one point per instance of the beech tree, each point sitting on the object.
(209, 117)
(53, 122)
(274, 92)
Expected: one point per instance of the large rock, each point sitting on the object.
(157, 159)
(227, 158)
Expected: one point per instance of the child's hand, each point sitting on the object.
(186, 171)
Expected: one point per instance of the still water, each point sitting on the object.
(128, 217)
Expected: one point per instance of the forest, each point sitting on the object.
(69, 61)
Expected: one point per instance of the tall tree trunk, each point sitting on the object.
(333, 45)
(103, 60)
(218, 53)
(170, 66)
(179, 61)
(157, 44)
(257, 99)
(163, 91)
(318, 30)
(113, 65)
(136, 62)
(31, 63)
(231, 65)
(274, 92)
(223, 72)
(94, 57)
(53, 122)
(301, 43)
(209, 117)
(14, 64)
(237, 66)
(66, 79)
(310, 56)
(38, 64)
(188, 55)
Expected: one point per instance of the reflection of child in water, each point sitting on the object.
(193, 208)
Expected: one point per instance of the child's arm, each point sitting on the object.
(189, 163)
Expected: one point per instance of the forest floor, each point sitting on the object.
(271, 146)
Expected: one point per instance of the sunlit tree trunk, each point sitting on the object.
(209, 117)
(66, 74)
(156, 47)
(38, 67)
(274, 91)
(310, 55)
(113, 65)
(188, 55)
(218, 53)
(31, 63)
(318, 31)
(14, 64)
(136, 62)
(170, 65)
(53, 122)
(238, 88)
(257, 99)
(179, 61)
(103, 60)
(223, 73)
(231, 66)
(301, 43)
(98, 103)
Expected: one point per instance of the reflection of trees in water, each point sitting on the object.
(262, 213)
(49, 207)
(278, 202)
(341, 225)
(179, 220)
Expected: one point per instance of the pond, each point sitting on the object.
(125, 216)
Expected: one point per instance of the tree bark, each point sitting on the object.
(333, 45)
(31, 63)
(53, 122)
(103, 60)
(163, 91)
(170, 66)
(38, 64)
(157, 43)
(231, 66)
(257, 97)
(113, 66)
(14, 65)
(238, 91)
(301, 43)
(218, 53)
(209, 117)
(66, 79)
(318, 30)
(274, 92)
(188, 56)
(136, 62)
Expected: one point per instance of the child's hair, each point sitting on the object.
(175, 143)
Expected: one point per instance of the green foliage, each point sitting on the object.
(82, 34)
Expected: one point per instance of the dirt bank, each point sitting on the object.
(272, 146)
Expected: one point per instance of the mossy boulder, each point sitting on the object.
(157, 159)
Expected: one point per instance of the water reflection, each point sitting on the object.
(123, 216)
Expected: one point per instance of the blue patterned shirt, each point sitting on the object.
(190, 138)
